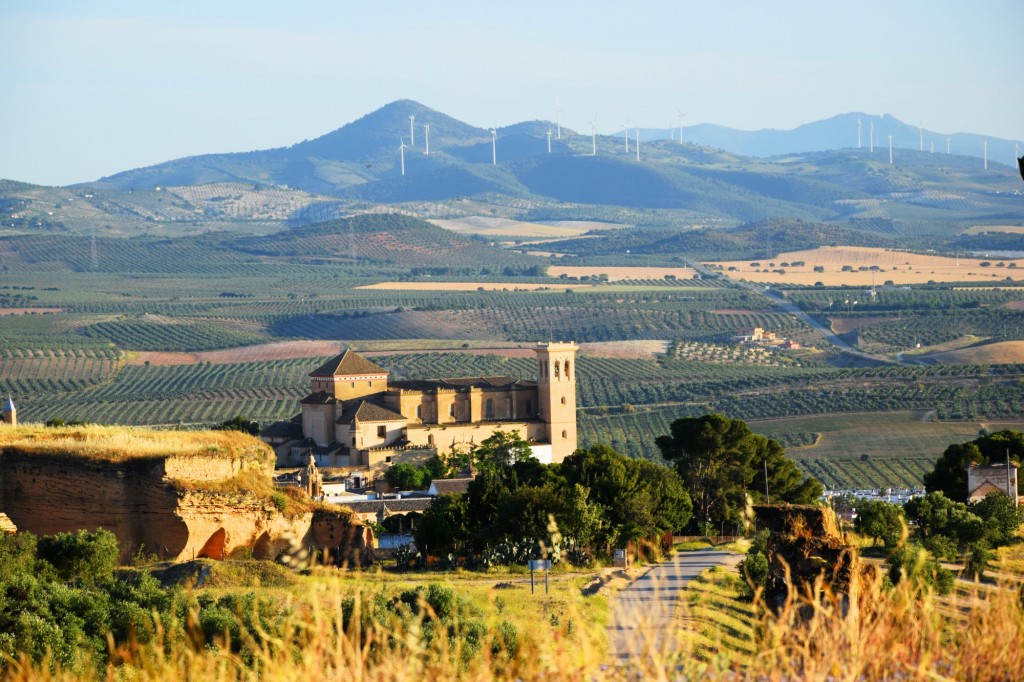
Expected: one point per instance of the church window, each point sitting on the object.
(430, 439)
(419, 412)
(489, 409)
(567, 369)
(556, 369)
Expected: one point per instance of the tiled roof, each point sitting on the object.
(464, 382)
(348, 363)
(451, 486)
(320, 398)
(6, 525)
(366, 411)
(399, 505)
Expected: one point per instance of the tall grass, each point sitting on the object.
(878, 632)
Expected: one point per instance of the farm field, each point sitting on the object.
(616, 273)
(898, 266)
(981, 229)
(467, 286)
(282, 350)
(999, 352)
(505, 227)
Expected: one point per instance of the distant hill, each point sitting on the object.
(358, 168)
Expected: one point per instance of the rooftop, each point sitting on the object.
(348, 363)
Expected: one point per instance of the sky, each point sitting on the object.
(88, 89)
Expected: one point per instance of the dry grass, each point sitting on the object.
(642, 349)
(616, 273)
(1000, 352)
(898, 266)
(281, 350)
(877, 634)
(979, 229)
(118, 443)
(466, 286)
(505, 227)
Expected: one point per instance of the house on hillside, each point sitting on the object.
(994, 478)
(356, 416)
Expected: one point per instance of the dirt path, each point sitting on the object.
(643, 618)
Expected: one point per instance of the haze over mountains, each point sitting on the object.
(817, 173)
(367, 149)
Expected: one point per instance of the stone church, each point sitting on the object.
(355, 416)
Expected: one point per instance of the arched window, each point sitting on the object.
(563, 400)
(489, 409)
(430, 439)
(565, 434)
(567, 370)
(419, 412)
(556, 369)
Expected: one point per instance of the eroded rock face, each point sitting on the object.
(804, 543)
(138, 502)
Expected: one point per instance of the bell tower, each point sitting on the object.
(9, 415)
(556, 395)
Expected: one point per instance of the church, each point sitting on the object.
(356, 416)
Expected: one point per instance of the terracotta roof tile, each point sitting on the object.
(348, 363)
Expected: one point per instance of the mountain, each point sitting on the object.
(358, 167)
(839, 132)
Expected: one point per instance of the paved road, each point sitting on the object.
(644, 614)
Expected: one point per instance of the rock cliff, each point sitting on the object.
(209, 502)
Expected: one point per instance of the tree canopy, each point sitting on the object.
(950, 473)
(721, 461)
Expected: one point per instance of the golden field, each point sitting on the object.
(619, 272)
(116, 443)
(505, 227)
(980, 229)
(1000, 352)
(898, 266)
(463, 286)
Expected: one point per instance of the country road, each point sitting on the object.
(644, 614)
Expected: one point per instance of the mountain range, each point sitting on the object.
(368, 150)
(815, 172)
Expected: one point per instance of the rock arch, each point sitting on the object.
(214, 547)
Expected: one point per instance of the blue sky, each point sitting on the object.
(93, 88)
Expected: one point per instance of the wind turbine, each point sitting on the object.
(593, 136)
(671, 130)
(549, 140)
(871, 137)
(494, 147)
(920, 130)
(426, 134)
(890, 150)
(401, 150)
(858, 133)
(947, 147)
(412, 130)
(681, 114)
(626, 136)
(558, 119)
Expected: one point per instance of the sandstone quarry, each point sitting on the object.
(209, 500)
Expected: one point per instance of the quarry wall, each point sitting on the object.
(138, 501)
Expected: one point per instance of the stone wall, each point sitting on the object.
(804, 543)
(136, 501)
